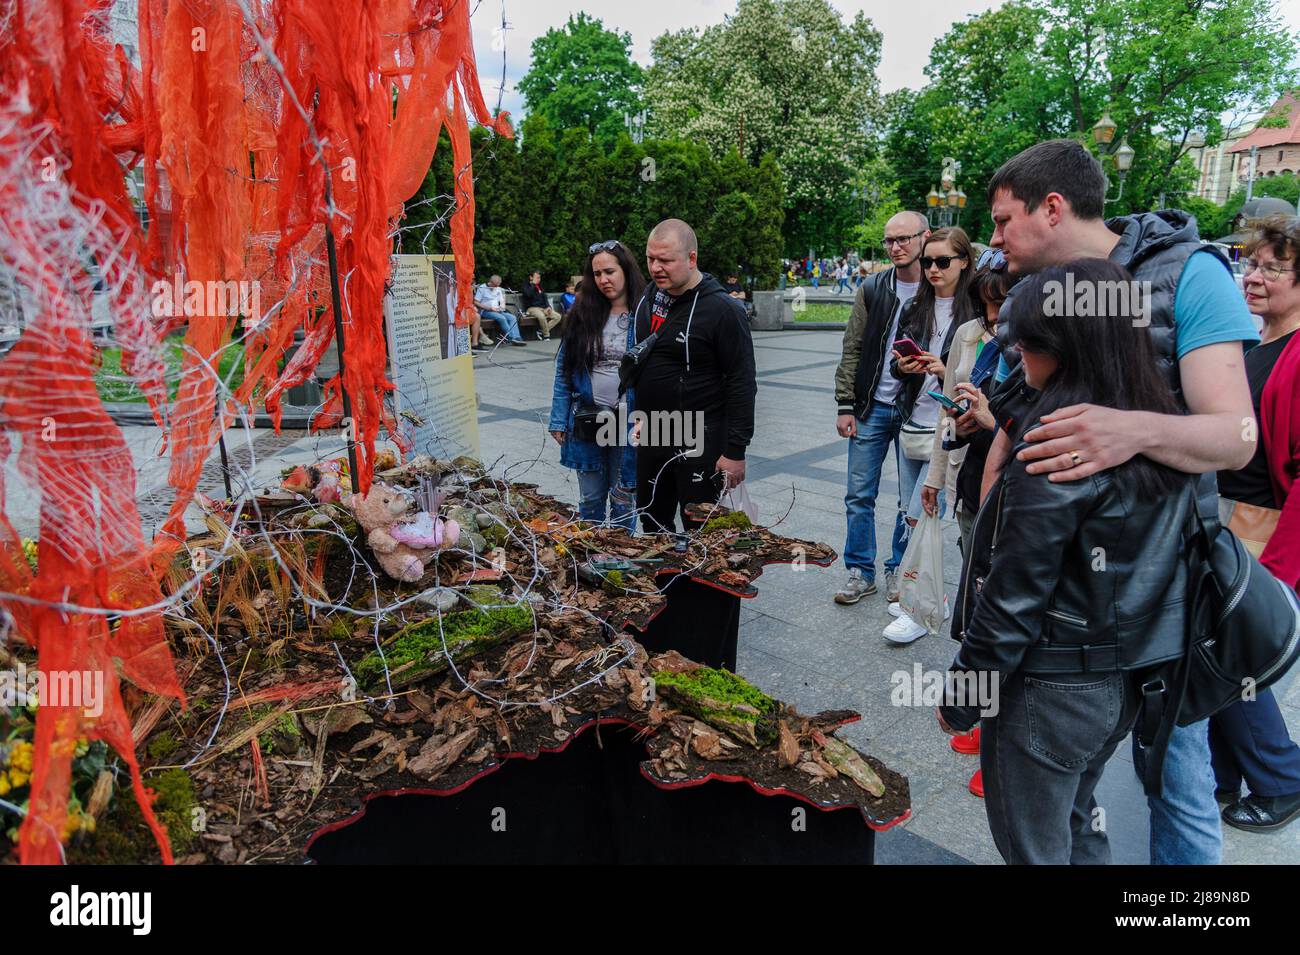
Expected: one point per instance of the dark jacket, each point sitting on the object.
(706, 363)
(534, 297)
(1075, 577)
(866, 343)
(1154, 247)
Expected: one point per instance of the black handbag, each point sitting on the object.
(1243, 635)
(587, 420)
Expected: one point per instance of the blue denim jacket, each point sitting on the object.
(568, 394)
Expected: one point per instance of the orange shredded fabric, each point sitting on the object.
(254, 133)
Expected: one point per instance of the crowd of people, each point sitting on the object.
(1050, 436)
(1056, 436)
(844, 274)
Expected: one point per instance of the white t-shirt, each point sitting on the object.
(887, 390)
(492, 299)
(925, 413)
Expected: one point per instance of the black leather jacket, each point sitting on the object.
(1073, 577)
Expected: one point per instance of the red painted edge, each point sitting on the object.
(598, 721)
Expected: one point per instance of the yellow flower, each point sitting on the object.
(21, 756)
(4, 784)
(18, 778)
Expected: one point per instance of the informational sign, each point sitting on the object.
(435, 401)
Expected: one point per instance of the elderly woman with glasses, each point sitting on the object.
(1261, 503)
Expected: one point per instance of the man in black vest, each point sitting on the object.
(1047, 204)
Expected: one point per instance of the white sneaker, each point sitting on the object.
(904, 630)
(896, 609)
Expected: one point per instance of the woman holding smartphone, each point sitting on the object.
(925, 335)
(598, 330)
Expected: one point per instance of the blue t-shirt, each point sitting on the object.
(1209, 308)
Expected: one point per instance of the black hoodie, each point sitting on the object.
(705, 364)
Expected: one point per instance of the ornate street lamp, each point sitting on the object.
(1103, 134)
(946, 203)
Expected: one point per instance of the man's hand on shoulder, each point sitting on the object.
(1079, 440)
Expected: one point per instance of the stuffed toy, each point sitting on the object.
(401, 540)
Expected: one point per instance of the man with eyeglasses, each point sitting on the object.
(867, 397)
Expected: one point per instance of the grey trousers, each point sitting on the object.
(1042, 756)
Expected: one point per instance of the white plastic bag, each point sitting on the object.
(737, 499)
(920, 587)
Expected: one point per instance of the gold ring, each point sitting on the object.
(1074, 456)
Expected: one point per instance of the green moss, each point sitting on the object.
(163, 745)
(122, 837)
(467, 634)
(735, 520)
(613, 583)
(724, 699)
(283, 736)
(496, 534)
(338, 628)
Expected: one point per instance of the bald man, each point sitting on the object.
(703, 367)
(866, 393)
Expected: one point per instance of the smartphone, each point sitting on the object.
(959, 407)
(907, 348)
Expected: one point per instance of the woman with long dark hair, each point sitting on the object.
(1084, 592)
(942, 304)
(598, 330)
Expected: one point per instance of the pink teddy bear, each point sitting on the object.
(401, 541)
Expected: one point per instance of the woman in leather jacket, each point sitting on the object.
(1084, 592)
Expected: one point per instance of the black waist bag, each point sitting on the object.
(1243, 636)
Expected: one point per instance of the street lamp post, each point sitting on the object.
(945, 204)
(1103, 134)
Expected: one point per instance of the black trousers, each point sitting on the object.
(667, 482)
(1249, 740)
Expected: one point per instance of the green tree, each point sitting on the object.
(1038, 69)
(786, 77)
(583, 76)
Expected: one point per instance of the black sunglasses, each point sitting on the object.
(608, 246)
(943, 261)
(994, 259)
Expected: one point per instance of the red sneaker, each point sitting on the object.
(976, 784)
(968, 744)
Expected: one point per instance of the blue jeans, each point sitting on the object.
(1185, 826)
(508, 323)
(598, 487)
(867, 450)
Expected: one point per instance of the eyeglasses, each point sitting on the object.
(943, 261)
(608, 246)
(891, 240)
(994, 259)
(1270, 272)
